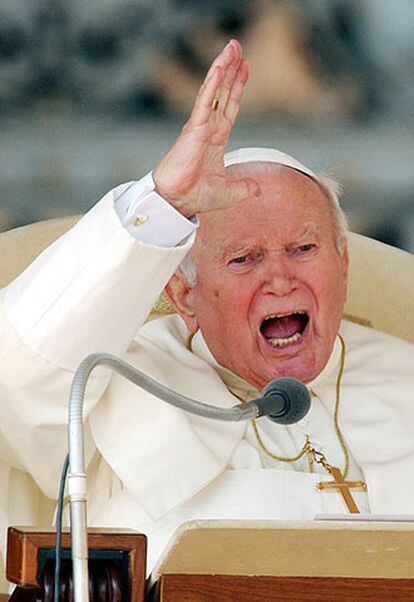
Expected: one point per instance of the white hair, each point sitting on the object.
(330, 187)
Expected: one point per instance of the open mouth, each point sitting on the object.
(281, 330)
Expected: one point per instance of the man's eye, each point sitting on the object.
(245, 261)
(306, 248)
(239, 260)
(301, 250)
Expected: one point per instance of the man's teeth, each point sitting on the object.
(288, 313)
(281, 342)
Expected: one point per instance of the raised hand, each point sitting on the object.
(191, 176)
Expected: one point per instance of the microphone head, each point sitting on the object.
(294, 395)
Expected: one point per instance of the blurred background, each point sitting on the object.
(93, 92)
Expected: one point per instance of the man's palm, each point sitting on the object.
(191, 176)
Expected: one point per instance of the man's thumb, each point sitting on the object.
(243, 189)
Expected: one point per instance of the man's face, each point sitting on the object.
(271, 284)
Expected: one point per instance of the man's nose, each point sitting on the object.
(279, 278)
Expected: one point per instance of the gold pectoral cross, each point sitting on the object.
(343, 487)
(339, 484)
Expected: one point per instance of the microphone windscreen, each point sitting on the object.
(296, 399)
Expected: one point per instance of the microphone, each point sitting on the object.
(284, 401)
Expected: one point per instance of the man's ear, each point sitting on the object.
(345, 262)
(181, 295)
(345, 267)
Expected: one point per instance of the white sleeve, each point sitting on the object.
(92, 288)
(139, 207)
(89, 291)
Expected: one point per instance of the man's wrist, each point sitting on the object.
(148, 217)
(175, 202)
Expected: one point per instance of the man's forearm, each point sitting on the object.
(92, 288)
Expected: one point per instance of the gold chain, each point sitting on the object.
(336, 412)
(308, 448)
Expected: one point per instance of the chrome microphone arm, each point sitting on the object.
(284, 401)
(77, 473)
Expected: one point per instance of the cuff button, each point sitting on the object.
(140, 219)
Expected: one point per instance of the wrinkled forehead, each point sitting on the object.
(290, 204)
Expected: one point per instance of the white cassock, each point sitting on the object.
(151, 467)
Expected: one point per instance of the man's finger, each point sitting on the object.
(233, 103)
(239, 190)
(210, 88)
(223, 59)
(201, 112)
(230, 74)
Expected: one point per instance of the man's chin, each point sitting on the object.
(301, 368)
(301, 359)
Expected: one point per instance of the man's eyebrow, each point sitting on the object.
(236, 250)
(240, 249)
(310, 231)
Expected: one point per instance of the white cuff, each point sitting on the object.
(148, 217)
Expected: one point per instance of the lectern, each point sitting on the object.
(266, 561)
(243, 561)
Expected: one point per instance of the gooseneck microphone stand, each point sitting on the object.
(284, 401)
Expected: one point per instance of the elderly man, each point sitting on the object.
(259, 295)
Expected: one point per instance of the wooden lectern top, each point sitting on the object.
(291, 548)
(287, 560)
